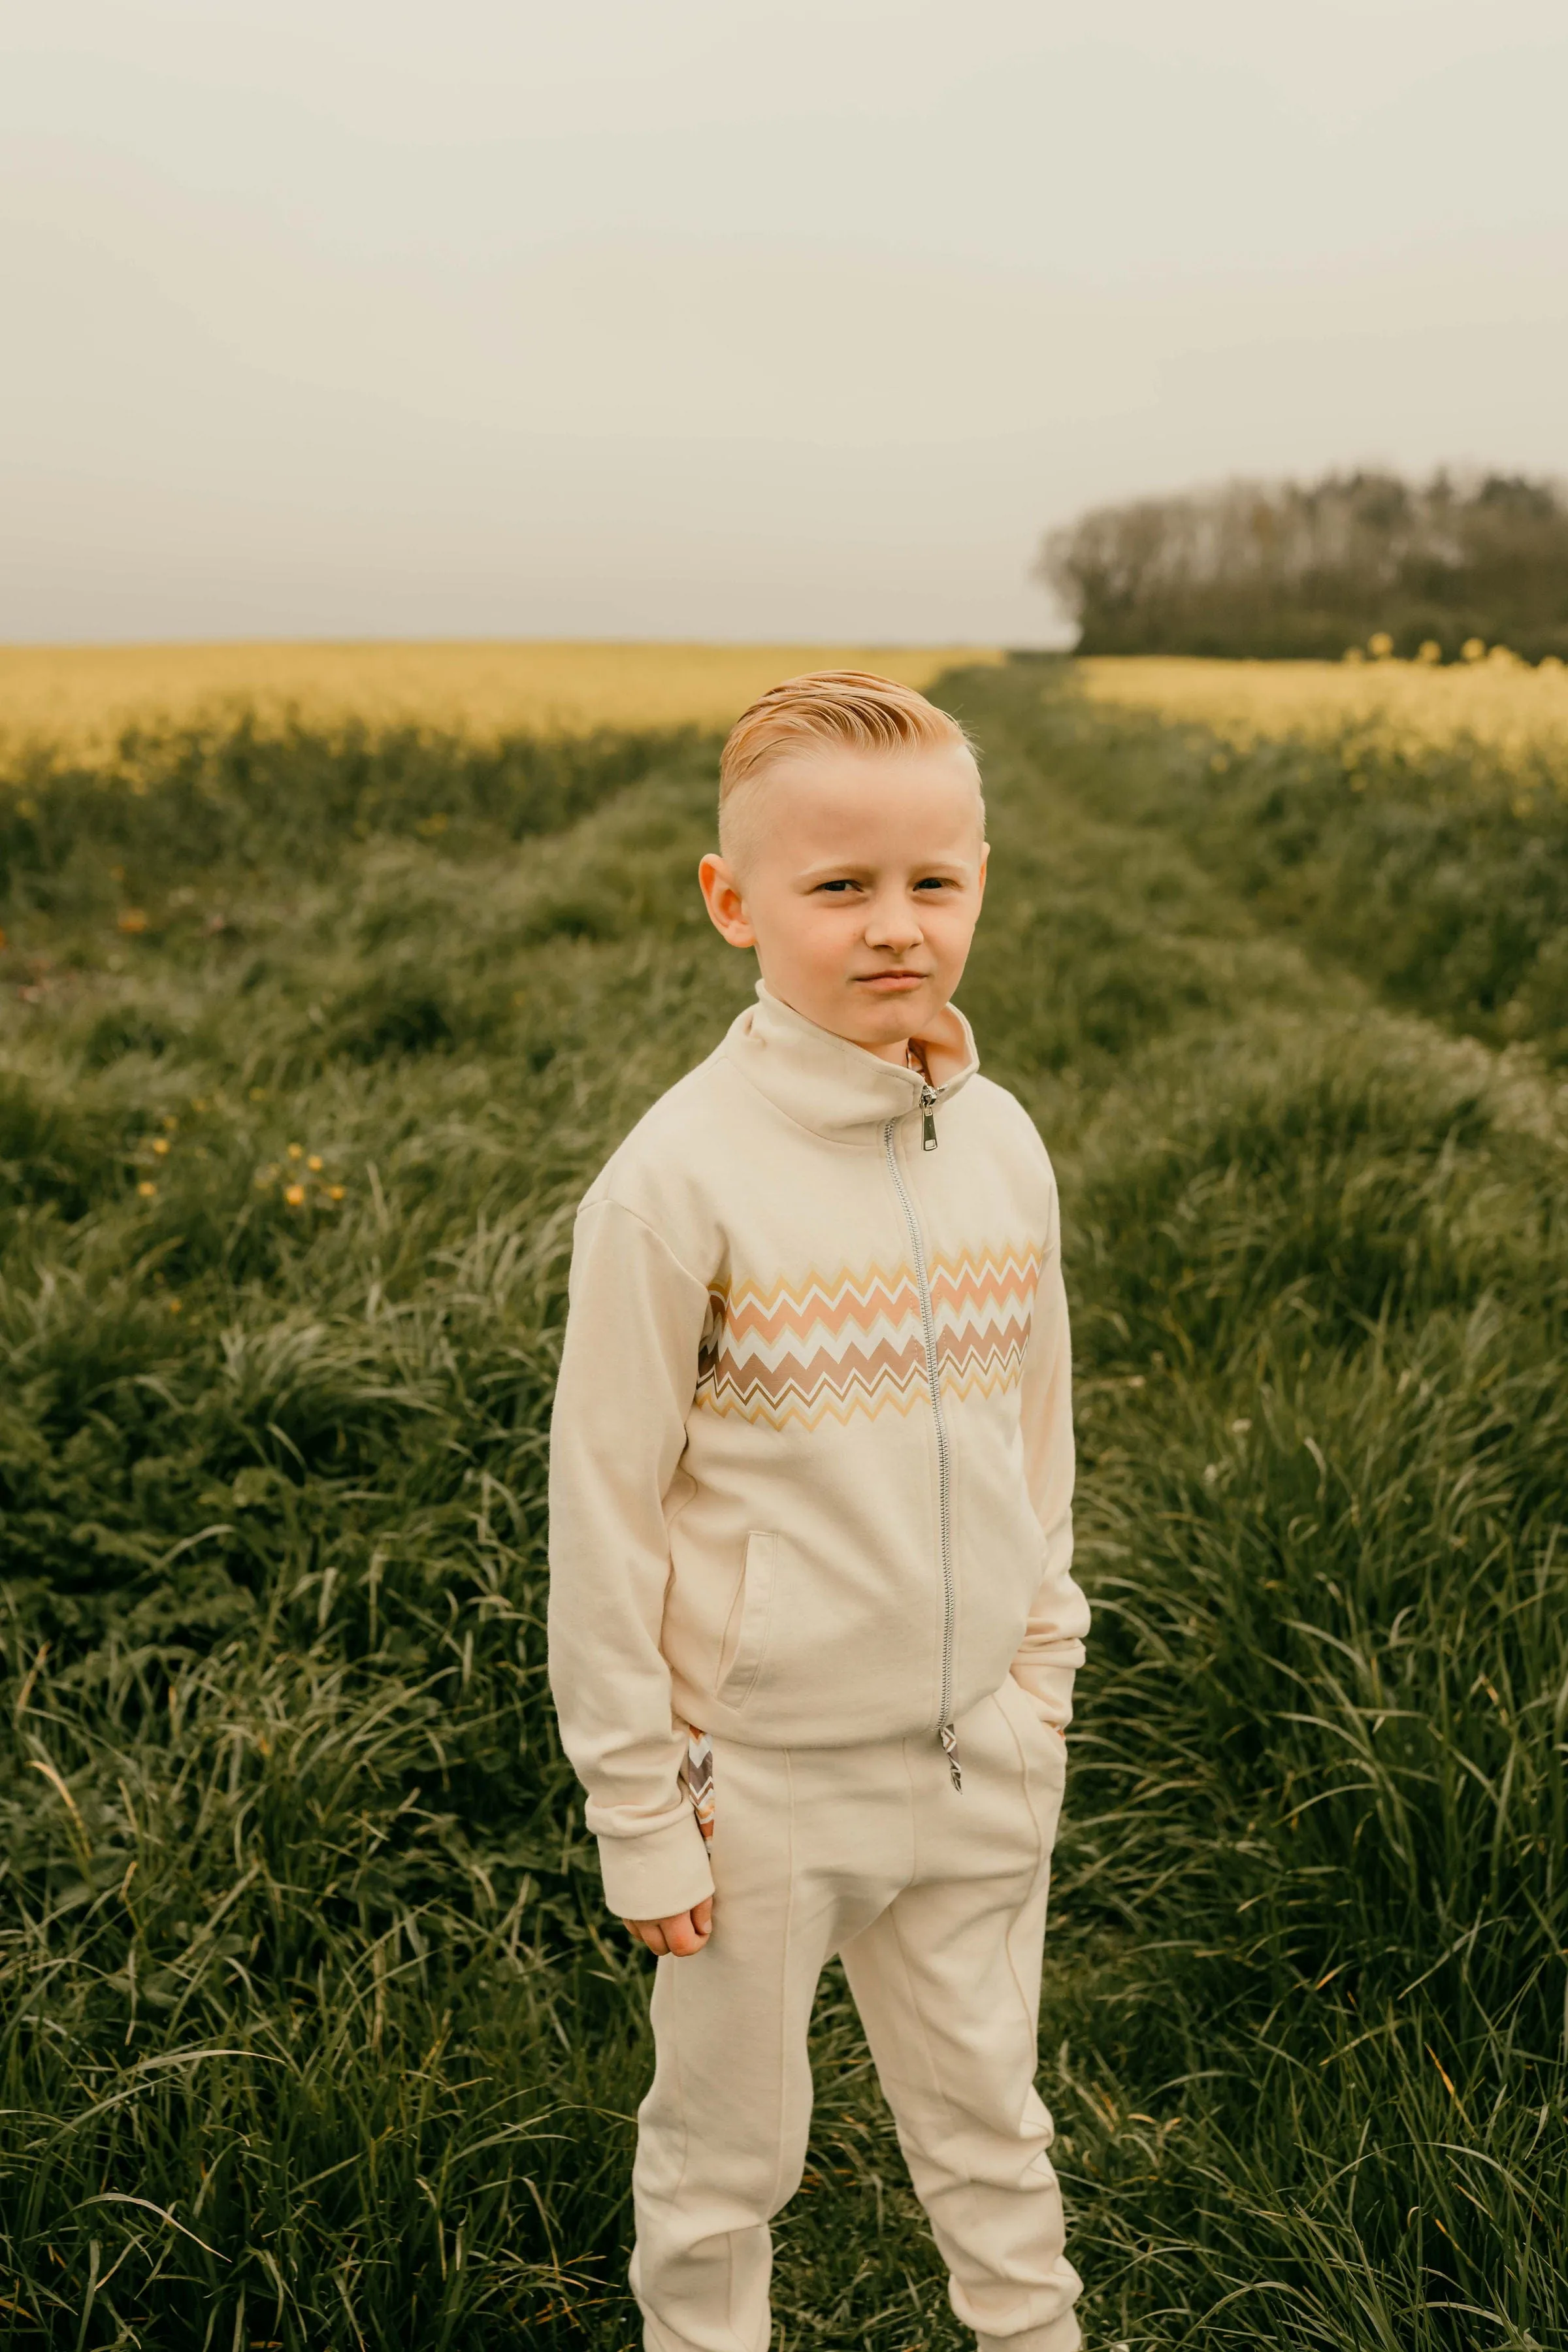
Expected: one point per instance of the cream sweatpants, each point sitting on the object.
(935, 1901)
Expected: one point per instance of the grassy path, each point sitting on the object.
(301, 1946)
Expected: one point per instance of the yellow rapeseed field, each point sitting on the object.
(81, 698)
(1515, 715)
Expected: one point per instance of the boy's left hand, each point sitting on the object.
(683, 1933)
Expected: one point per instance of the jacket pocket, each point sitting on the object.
(754, 1607)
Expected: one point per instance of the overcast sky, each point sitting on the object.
(712, 318)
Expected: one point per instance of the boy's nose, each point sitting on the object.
(895, 926)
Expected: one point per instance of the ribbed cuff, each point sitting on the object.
(1062, 2334)
(658, 1874)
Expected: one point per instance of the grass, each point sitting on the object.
(314, 2031)
(1438, 870)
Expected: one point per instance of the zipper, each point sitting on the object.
(945, 1732)
(927, 1117)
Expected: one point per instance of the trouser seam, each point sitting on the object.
(785, 1975)
(1042, 1865)
(918, 2012)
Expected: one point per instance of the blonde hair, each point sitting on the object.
(828, 709)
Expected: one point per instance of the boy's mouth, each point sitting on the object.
(891, 983)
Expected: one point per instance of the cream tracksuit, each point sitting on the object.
(811, 1622)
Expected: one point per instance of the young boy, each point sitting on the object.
(812, 1629)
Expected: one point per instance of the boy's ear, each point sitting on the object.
(726, 907)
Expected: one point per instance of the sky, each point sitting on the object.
(700, 319)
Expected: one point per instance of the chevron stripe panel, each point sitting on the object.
(819, 1348)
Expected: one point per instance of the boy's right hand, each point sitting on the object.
(683, 1933)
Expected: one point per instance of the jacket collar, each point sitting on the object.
(825, 1083)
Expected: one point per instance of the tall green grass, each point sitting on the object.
(314, 2032)
(1441, 876)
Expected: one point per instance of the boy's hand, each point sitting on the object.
(683, 1933)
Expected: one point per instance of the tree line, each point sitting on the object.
(1282, 570)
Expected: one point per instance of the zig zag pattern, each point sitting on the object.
(823, 1348)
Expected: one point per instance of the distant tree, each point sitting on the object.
(1280, 569)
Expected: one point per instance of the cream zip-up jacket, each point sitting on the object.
(811, 1459)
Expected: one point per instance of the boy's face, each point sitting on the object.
(860, 886)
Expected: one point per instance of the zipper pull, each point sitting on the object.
(928, 1119)
(948, 1739)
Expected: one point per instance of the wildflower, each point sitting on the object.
(132, 919)
(149, 1191)
(1380, 645)
(295, 1152)
(334, 1191)
(294, 1195)
(175, 1307)
(1355, 654)
(171, 1121)
(1473, 649)
(315, 1163)
(1429, 650)
(161, 1144)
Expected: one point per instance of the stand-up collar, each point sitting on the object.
(825, 1083)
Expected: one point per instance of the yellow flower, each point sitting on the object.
(295, 1152)
(132, 919)
(174, 1307)
(1430, 650)
(1355, 654)
(160, 1145)
(334, 1191)
(148, 1192)
(294, 1195)
(315, 1163)
(1474, 648)
(1380, 645)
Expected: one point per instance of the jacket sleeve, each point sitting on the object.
(628, 1373)
(1052, 1649)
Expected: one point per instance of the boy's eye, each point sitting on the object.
(845, 883)
(934, 882)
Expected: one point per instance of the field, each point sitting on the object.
(312, 2032)
(79, 702)
(1513, 716)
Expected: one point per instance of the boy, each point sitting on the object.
(813, 1632)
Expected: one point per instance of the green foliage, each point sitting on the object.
(208, 804)
(1442, 881)
(1282, 570)
(312, 2032)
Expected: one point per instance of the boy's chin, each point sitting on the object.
(885, 1020)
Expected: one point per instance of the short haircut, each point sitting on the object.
(849, 710)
